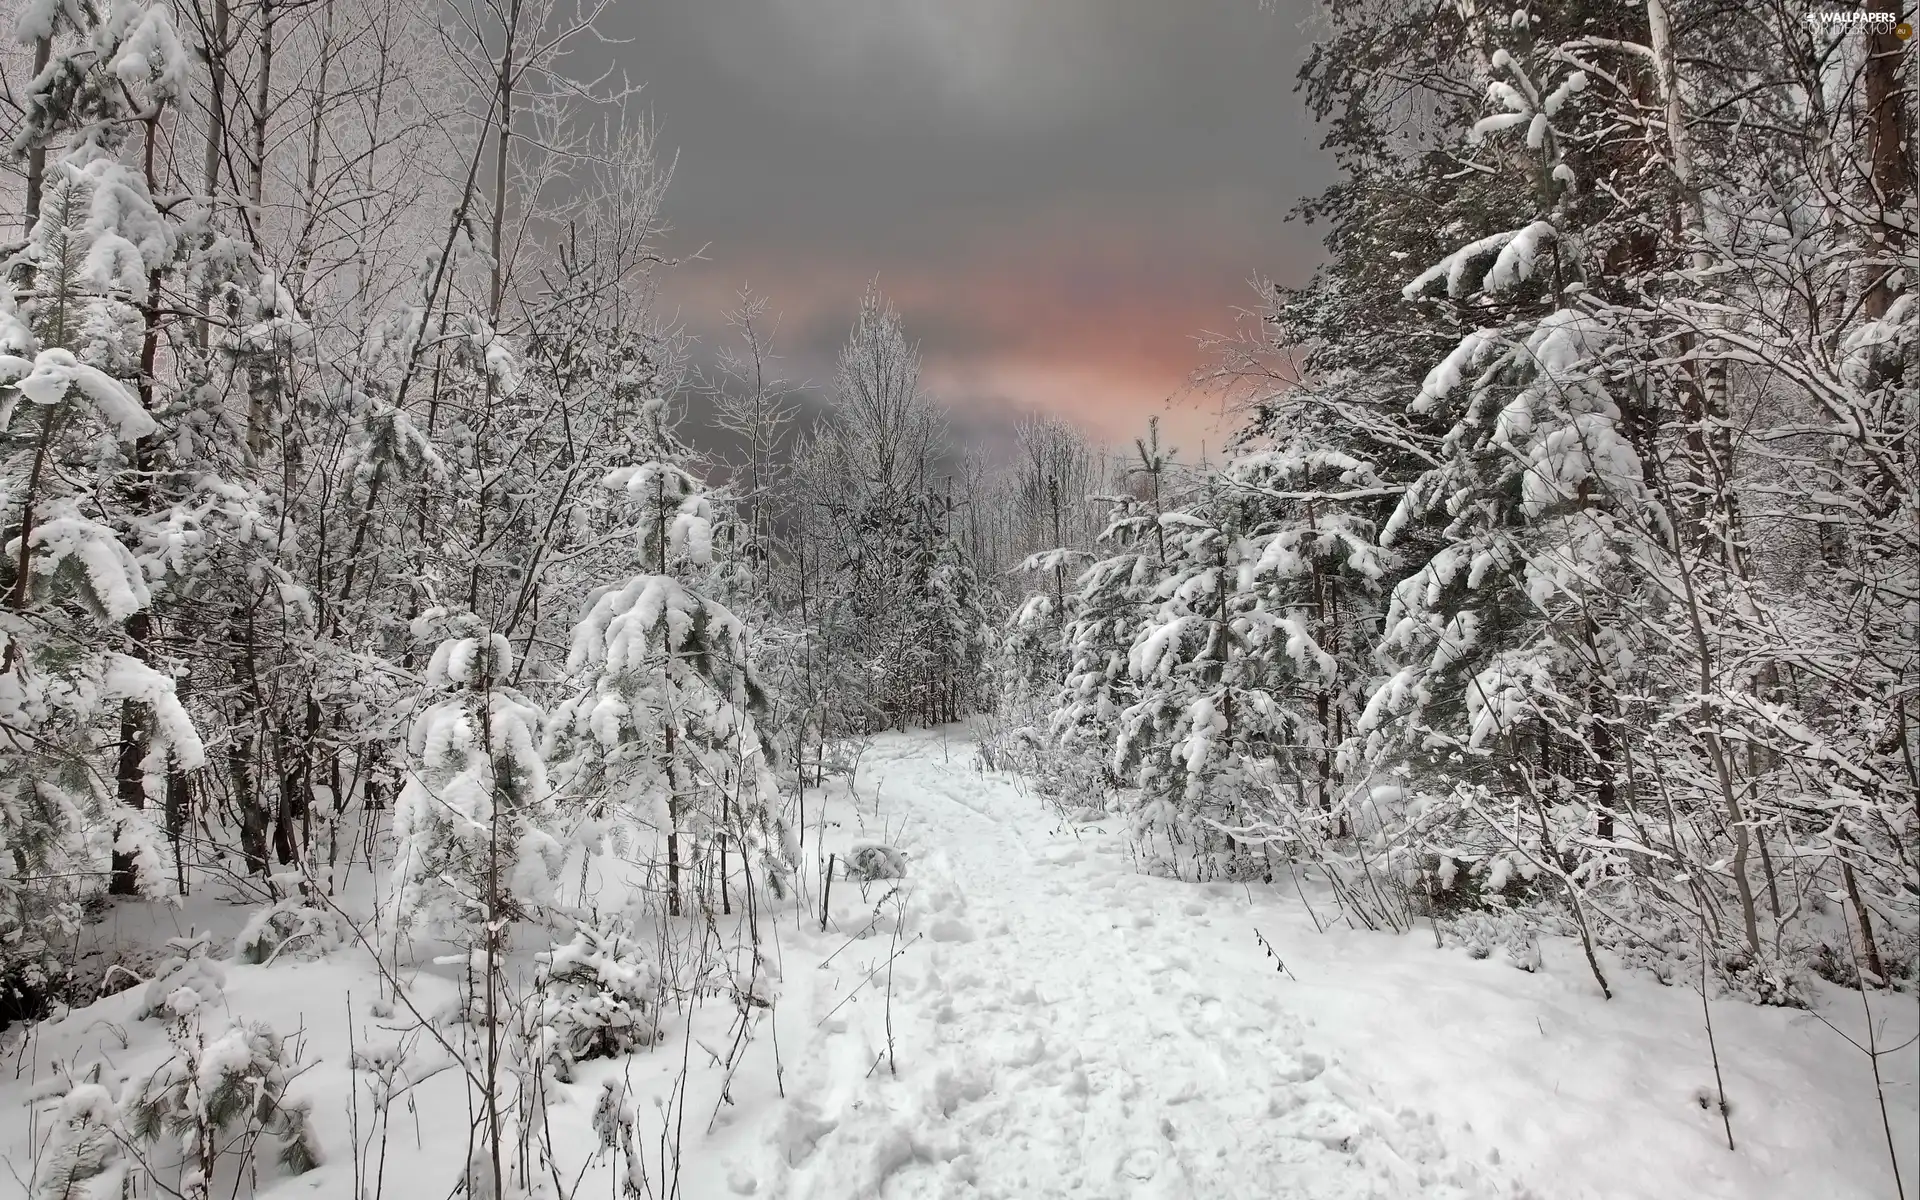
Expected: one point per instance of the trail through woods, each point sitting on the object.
(416, 632)
(1063, 1025)
(1091, 1037)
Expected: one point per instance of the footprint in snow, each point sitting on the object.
(1142, 1164)
(1028, 1051)
(1336, 1127)
(1310, 1066)
(1188, 1090)
(1204, 1015)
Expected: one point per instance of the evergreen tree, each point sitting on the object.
(470, 828)
(664, 731)
(94, 723)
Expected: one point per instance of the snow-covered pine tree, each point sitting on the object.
(1310, 580)
(471, 827)
(1045, 522)
(1093, 626)
(1506, 647)
(663, 733)
(78, 335)
(954, 620)
(1237, 661)
(1645, 592)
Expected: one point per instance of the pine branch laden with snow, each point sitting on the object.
(664, 733)
(471, 823)
(83, 1159)
(54, 374)
(1609, 597)
(676, 516)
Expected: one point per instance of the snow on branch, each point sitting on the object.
(54, 372)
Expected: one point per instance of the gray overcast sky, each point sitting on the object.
(1059, 194)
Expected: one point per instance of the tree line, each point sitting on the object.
(345, 478)
(1565, 571)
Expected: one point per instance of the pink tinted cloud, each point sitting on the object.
(1092, 319)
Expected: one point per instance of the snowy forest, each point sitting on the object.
(464, 734)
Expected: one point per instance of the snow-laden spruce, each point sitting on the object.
(471, 825)
(76, 583)
(662, 735)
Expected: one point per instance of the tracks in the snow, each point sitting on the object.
(1089, 1037)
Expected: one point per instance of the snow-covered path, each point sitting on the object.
(1062, 1025)
(1067, 1027)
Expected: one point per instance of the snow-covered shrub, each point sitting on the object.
(597, 995)
(1481, 934)
(871, 862)
(1078, 782)
(1005, 743)
(189, 970)
(468, 827)
(82, 1159)
(289, 927)
(221, 1095)
(215, 1104)
(757, 983)
(1770, 978)
(1833, 954)
(31, 979)
(1455, 876)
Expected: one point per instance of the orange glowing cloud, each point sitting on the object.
(1093, 320)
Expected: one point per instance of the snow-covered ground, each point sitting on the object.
(1069, 1027)
(1027, 1016)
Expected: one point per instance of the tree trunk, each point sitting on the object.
(215, 53)
(247, 727)
(1887, 118)
(1604, 793)
(179, 800)
(260, 400)
(253, 817)
(129, 775)
(37, 153)
(303, 251)
(504, 81)
(286, 843)
(1704, 404)
(1870, 952)
(673, 834)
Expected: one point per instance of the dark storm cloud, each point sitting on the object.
(1059, 193)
